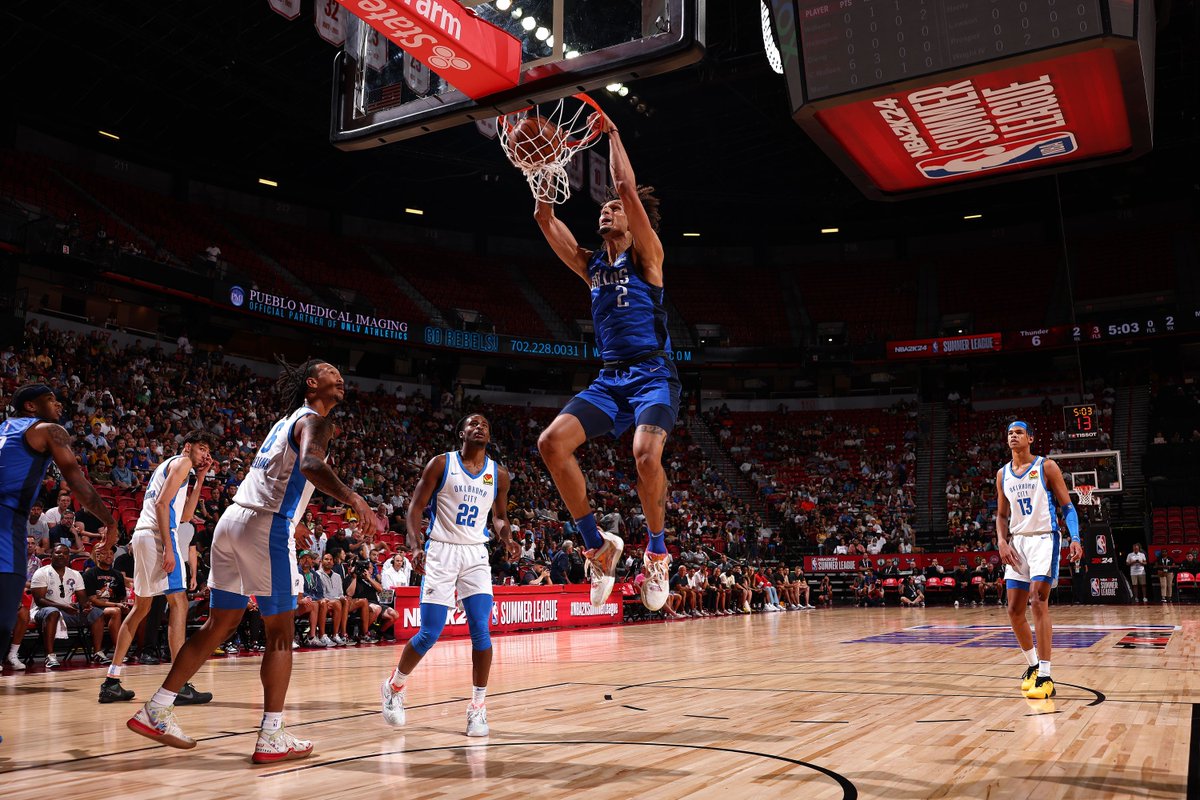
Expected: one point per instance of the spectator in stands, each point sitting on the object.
(698, 583)
(560, 564)
(1191, 563)
(910, 593)
(398, 571)
(59, 593)
(860, 588)
(310, 603)
(122, 476)
(539, 575)
(336, 603)
(800, 582)
(366, 590)
(36, 525)
(825, 592)
(65, 533)
(1137, 572)
(1166, 576)
(681, 586)
(54, 516)
(962, 581)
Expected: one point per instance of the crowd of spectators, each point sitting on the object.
(840, 481)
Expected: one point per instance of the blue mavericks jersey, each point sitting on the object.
(627, 312)
(21, 473)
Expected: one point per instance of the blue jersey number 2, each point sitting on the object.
(467, 515)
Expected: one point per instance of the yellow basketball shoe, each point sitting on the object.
(1043, 688)
(1029, 678)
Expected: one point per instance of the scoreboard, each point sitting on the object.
(1081, 421)
(858, 44)
(911, 97)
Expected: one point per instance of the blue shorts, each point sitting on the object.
(646, 393)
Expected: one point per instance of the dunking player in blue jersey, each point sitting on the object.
(638, 383)
(28, 441)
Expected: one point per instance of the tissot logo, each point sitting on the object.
(237, 296)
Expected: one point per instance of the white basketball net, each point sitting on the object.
(1086, 498)
(548, 178)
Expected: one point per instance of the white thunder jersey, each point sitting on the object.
(274, 483)
(148, 520)
(1031, 508)
(458, 510)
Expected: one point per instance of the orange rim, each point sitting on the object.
(582, 97)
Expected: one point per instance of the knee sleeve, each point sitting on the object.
(433, 619)
(479, 618)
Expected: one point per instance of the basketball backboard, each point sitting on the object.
(1098, 468)
(382, 95)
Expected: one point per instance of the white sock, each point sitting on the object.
(13, 650)
(1031, 656)
(1043, 669)
(477, 695)
(115, 671)
(272, 721)
(398, 680)
(164, 698)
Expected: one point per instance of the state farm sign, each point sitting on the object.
(473, 56)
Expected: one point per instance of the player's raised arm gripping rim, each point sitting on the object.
(457, 489)
(638, 384)
(1029, 490)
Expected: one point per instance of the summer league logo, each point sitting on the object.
(237, 296)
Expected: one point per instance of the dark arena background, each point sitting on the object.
(890, 228)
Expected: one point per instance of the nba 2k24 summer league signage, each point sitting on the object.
(949, 346)
(919, 96)
(472, 55)
(519, 608)
(316, 315)
(1066, 109)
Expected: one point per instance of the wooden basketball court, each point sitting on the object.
(792, 705)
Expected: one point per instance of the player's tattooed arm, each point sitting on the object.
(59, 443)
(314, 433)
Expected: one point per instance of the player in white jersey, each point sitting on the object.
(254, 553)
(1029, 491)
(457, 489)
(158, 558)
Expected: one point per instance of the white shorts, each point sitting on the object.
(149, 580)
(253, 553)
(451, 567)
(1039, 555)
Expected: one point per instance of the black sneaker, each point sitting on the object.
(148, 659)
(188, 696)
(111, 691)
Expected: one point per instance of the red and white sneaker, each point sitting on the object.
(159, 723)
(603, 561)
(280, 746)
(657, 586)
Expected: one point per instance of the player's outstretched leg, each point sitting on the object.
(433, 619)
(648, 442)
(1043, 685)
(602, 549)
(156, 719)
(275, 743)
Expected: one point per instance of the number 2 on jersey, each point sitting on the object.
(466, 515)
(1025, 504)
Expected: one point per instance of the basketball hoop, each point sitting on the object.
(1086, 498)
(543, 159)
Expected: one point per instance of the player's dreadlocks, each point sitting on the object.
(649, 202)
(291, 387)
